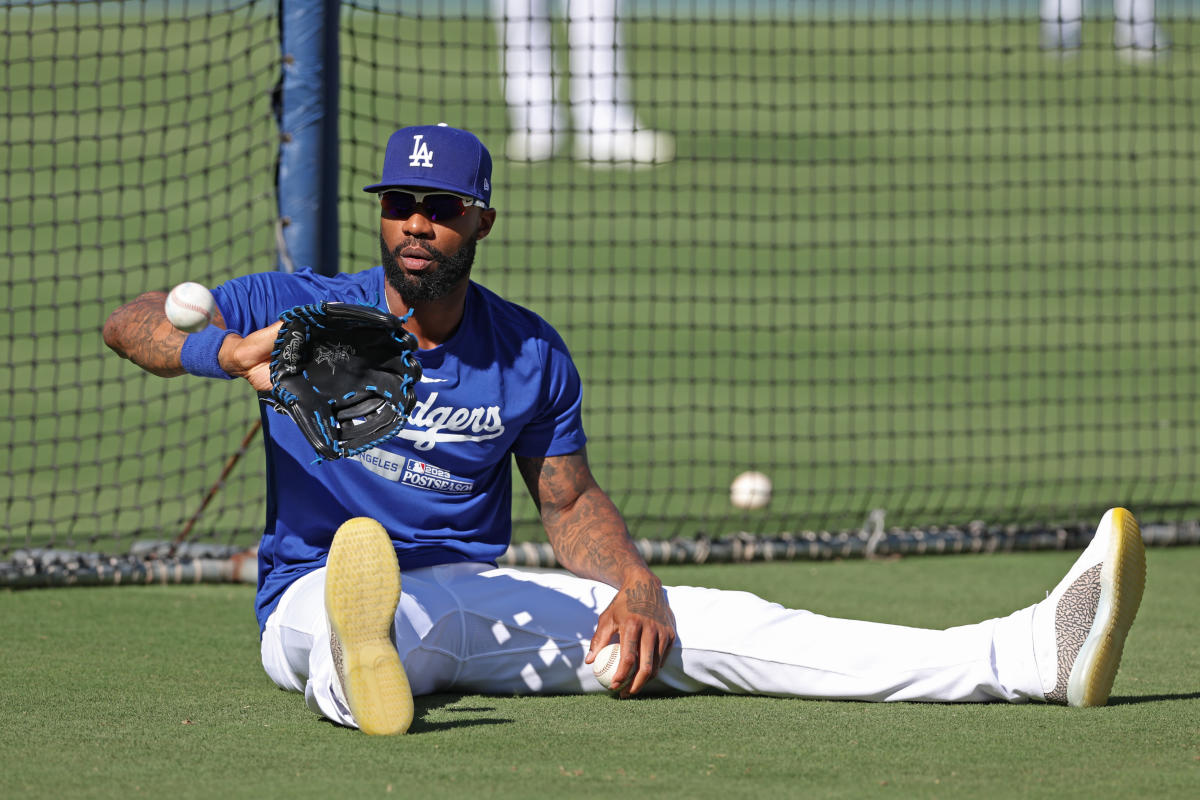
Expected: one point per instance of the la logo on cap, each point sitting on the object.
(421, 156)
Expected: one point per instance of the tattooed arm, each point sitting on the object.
(140, 332)
(590, 539)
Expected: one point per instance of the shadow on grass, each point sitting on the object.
(428, 703)
(433, 702)
(1152, 698)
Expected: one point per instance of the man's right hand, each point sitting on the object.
(250, 357)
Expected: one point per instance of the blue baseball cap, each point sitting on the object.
(436, 157)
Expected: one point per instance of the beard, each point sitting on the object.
(432, 284)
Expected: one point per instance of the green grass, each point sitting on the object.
(157, 691)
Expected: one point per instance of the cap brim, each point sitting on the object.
(378, 188)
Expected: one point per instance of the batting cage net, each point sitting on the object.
(927, 266)
(138, 150)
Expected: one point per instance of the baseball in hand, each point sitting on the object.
(750, 490)
(605, 665)
(190, 307)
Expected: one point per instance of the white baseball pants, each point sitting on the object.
(599, 86)
(478, 629)
(1133, 21)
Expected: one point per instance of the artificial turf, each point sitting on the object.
(157, 691)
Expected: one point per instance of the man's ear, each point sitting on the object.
(487, 218)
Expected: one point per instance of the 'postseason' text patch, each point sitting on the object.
(435, 479)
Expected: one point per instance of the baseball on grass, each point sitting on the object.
(190, 307)
(605, 665)
(750, 490)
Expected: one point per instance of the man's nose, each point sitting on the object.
(418, 224)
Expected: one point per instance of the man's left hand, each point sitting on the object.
(640, 619)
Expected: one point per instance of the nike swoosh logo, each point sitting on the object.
(427, 379)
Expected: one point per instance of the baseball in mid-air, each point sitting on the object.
(750, 490)
(190, 307)
(605, 665)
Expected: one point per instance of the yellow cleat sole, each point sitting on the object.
(362, 590)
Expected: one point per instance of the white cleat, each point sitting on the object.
(362, 590)
(641, 147)
(1080, 628)
(530, 146)
(1139, 45)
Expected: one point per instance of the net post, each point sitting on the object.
(307, 111)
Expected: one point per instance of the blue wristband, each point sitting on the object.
(199, 353)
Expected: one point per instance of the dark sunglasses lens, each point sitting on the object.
(402, 205)
(397, 205)
(443, 206)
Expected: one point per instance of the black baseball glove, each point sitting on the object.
(345, 373)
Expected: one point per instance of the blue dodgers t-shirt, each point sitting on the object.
(504, 383)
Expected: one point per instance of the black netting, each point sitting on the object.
(137, 151)
(908, 256)
(937, 258)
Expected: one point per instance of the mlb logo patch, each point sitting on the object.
(423, 475)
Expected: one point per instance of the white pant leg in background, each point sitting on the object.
(601, 98)
(474, 628)
(527, 63)
(1133, 25)
(1133, 22)
(599, 85)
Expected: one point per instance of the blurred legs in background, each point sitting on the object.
(602, 115)
(1136, 35)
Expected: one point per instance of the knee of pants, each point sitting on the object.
(276, 663)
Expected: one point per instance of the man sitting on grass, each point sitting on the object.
(499, 386)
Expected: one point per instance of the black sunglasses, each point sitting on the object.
(438, 206)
